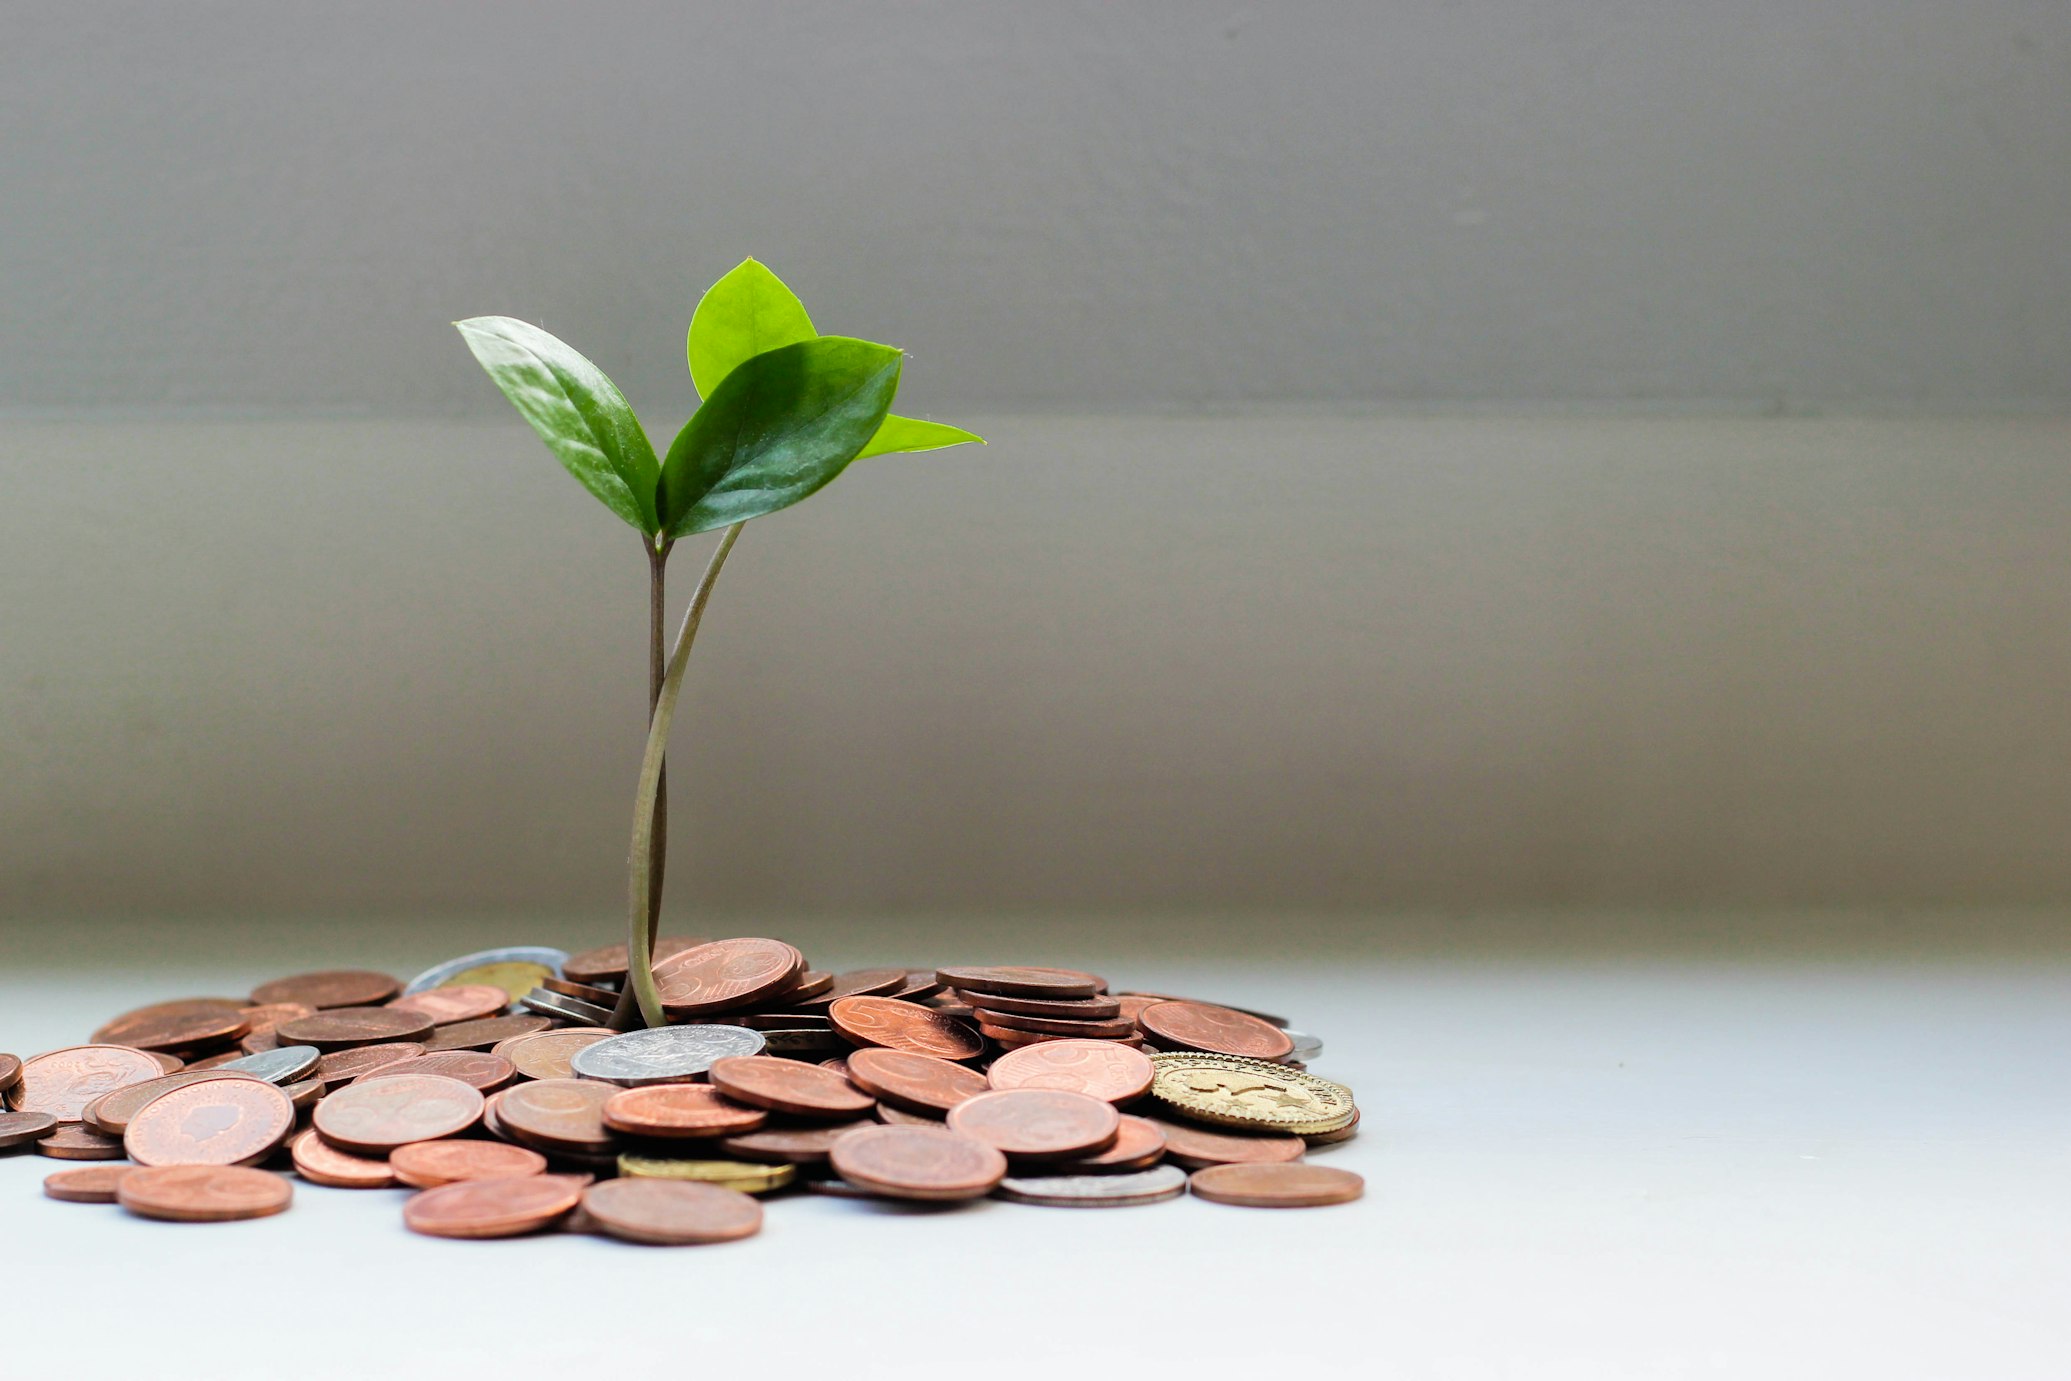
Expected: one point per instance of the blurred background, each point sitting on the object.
(1461, 474)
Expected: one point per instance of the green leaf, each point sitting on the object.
(747, 313)
(576, 410)
(916, 434)
(777, 430)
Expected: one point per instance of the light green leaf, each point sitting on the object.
(916, 434)
(576, 410)
(779, 428)
(747, 313)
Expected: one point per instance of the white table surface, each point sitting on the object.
(1593, 1171)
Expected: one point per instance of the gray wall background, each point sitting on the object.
(1456, 455)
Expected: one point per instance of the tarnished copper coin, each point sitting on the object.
(790, 1145)
(175, 1027)
(92, 1184)
(813, 983)
(72, 1141)
(110, 1113)
(671, 1213)
(787, 1086)
(907, 1026)
(900, 1117)
(861, 983)
(918, 1163)
(269, 1016)
(558, 1115)
(679, 1110)
(304, 1093)
(1012, 1024)
(917, 1083)
(1099, 1069)
(1102, 1008)
(375, 1117)
(481, 1035)
(725, 974)
(1197, 1148)
(477, 1068)
(21, 1128)
(1336, 1134)
(1133, 1005)
(63, 1082)
(319, 1162)
(1021, 981)
(545, 1054)
(493, 1208)
(167, 1063)
(343, 1028)
(1138, 1144)
(1213, 1030)
(203, 1193)
(1038, 1124)
(175, 1007)
(213, 1122)
(335, 988)
(608, 964)
(10, 1071)
(461, 1002)
(582, 992)
(343, 1066)
(1285, 1185)
(429, 1164)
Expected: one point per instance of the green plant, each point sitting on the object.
(785, 410)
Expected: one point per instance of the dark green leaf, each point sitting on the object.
(576, 410)
(747, 313)
(779, 428)
(915, 434)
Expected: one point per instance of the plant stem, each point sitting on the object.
(627, 1014)
(640, 869)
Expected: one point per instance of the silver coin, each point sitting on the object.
(1151, 1186)
(280, 1066)
(1306, 1048)
(791, 1040)
(517, 954)
(663, 1054)
(551, 1004)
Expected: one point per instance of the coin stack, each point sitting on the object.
(493, 1086)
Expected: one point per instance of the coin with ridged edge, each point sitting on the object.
(1150, 1186)
(663, 1054)
(288, 1064)
(537, 956)
(1232, 1092)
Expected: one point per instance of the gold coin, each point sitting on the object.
(515, 979)
(749, 1179)
(1233, 1092)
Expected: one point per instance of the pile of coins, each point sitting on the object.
(493, 1088)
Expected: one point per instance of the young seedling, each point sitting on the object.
(785, 410)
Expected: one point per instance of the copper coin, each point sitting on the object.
(839, 1064)
(787, 1086)
(110, 1113)
(375, 1117)
(167, 1064)
(71, 1141)
(1196, 1148)
(481, 1035)
(918, 1163)
(545, 1054)
(20, 1128)
(1038, 1124)
(671, 1213)
(10, 1071)
(1101, 1008)
(1134, 1003)
(92, 1184)
(203, 1193)
(608, 965)
(272, 1014)
(336, 988)
(1099, 1069)
(215, 1061)
(214, 1122)
(343, 1066)
(461, 1002)
(813, 983)
(917, 1083)
(679, 1110)
(1058, 1026)
(899, 1117)
(726, 974)
(1213, 1030)
(112, 1032)
(1277, 1186)
(319, 1162)
(174, 1030)
(63, 1082)
(477, 1068)
(304, 1093)
(601, 997)
(1140, 1143)
(907, 1026)
(493, 1208)
(259, 1042)
(429, 1164)
(1017, 981)
(1344, 1133)
(920, 983)
(558, 1115)
(342, 1028)
(779, 1145)
(863, 983)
